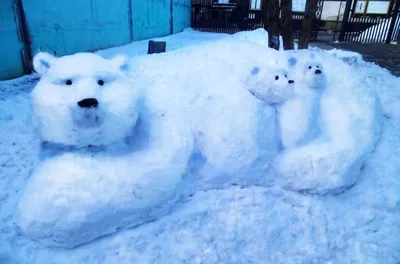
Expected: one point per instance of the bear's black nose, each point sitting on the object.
(290, 81)
(318, 71)
(88, 102)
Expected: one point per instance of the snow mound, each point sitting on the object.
(78, 194)
(258, 36)
(347, 119)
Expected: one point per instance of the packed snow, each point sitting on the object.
(206, 160)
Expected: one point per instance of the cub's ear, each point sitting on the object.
(312, 56)
(255, 70)
(121, 63)
(42, 62)
(292, 61)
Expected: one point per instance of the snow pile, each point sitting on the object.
(80, 193)
(259, 36)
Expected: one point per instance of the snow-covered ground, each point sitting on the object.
(231, 225)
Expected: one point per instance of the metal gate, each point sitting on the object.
(211, 16)
(359, 26)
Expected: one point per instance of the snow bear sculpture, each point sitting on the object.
(299, 117)
(350, 122)
(117, 156)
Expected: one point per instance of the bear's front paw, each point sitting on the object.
(317, 169)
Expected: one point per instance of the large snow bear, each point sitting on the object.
(115, 155)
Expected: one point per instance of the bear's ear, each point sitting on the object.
(311, 56)
(42, 62)
(121, 63)
(292, 61)
(255, 70)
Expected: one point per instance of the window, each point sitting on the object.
(255, 4)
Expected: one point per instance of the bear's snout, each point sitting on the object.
(318, 71)
(290, 81)
(88, 102)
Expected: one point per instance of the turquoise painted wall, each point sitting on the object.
(66, 27)
(151, 18)
(10, 45)
(181, 14)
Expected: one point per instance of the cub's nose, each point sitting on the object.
(318, 71)
(88, 102)
(290, 81)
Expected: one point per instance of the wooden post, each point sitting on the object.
(393, 21)
(306, 29)
(171, 18)
(286, 24)
(271, 24)
(345, 20)
(24, 34)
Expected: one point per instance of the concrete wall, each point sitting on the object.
(65, 27)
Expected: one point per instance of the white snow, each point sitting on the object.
(246, 223)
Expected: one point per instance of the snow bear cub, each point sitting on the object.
(299, 116)
(272, 86)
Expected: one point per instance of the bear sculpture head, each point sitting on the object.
(84, 99)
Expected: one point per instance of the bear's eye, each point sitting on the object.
(68, 82)
(309, 67)
(285, 75)
(100, 82)
(318, 67)
(276, 77)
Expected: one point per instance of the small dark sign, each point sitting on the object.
(156, 47)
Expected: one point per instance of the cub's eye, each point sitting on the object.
(285, 75)
(318, 67)
(276, 77)
(100, 82)
(309, 67)
(68, 82)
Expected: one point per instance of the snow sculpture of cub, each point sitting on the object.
(114, 156)
(349, 123)
(299, 117)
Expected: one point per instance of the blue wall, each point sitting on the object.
(65, 27)
(181, 15)
(11, 64)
